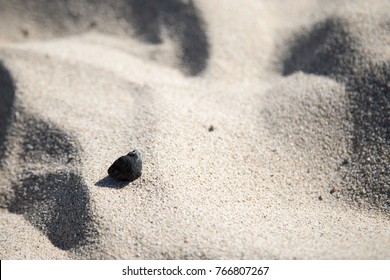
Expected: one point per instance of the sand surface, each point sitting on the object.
(296, 166)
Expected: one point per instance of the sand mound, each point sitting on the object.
(308, 115)
(45, 187)
(333, 48)
(151, 21)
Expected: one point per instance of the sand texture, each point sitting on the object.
(264, 129)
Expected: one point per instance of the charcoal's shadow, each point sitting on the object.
(108, 182)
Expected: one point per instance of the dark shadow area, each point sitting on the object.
(44, 142)
(330, 49)
(7, 97)
(57, 204)
(183, 22)
(148, 18)
(108, 182)
(370, 110)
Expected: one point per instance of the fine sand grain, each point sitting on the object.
(296, 165)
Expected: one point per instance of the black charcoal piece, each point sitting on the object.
(127, 168)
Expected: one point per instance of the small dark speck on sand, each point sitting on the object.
(93, 24)
(333, 190)
(320, 198)
(211, 128)
(25, 32)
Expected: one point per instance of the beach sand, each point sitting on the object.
(296, 165)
